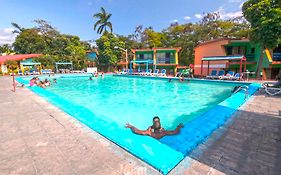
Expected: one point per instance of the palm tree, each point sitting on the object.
(18, 28)
(103, 21)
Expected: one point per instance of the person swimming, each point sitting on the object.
(32, 82)
(182, 78)
(47, 82)
(156, 131)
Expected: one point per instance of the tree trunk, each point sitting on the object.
(260, 63)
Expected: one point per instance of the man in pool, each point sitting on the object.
(155, 131)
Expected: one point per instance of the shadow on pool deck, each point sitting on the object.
(250, 143)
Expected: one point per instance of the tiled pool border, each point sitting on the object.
(174, 156)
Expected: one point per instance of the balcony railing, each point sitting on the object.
(250, 57)
(165, 61)
(276, 57)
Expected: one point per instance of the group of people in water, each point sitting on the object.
(35, 81)
(95, 74)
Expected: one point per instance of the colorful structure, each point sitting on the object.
(23, 60)
(92, 56)
(227, 48)
(161, 58)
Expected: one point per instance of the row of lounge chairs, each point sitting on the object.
(230, 75)
(146, 73)
(30, 72)
(47, 71)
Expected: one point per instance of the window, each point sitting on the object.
(147, 56)
(253, 50)
(229, 50)
(236, 50)
(140, 56)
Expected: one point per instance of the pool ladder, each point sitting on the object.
(244, 88)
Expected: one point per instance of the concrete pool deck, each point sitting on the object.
(38, 138)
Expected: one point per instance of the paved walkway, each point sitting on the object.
(38, 138)
(249, 144)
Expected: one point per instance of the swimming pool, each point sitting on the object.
(107, 104)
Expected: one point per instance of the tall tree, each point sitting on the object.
(45, 39)
(265, 19)
(108, 54)
(102, 21)
(29, 41)
(18, 28)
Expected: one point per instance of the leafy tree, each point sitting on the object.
(47, 61)
(45, 39)
(108, 55)
(152, 38)
(29, 41)
(5, 48)
(102, 21)
(265, 19)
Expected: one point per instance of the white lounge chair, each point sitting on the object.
(213, 74)
(155, 73)
(20, 72)
(237, 76)
(272, 91)
(228, 76)
(148, 73)
(220, 74)
(272, 88)
(163, 73)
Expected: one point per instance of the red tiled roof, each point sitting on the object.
(18, 57)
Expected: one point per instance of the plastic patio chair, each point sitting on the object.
(237, 76)
(155, 73)
(163, 73)
(213, 74)
(228, 76)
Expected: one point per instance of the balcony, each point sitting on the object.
(165, 61)
(250, 57)
(276, 57)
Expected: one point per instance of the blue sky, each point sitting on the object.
(75, 16)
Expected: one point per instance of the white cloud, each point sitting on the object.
(187, 18)
(174, 21)
(226, 15)
(199, 16)
(7, 36)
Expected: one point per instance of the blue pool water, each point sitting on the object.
(107, 104)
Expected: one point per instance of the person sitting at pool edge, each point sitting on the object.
(155, 131)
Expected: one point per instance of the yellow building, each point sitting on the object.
(160, 58)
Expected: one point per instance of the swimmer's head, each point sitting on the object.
(156, 123)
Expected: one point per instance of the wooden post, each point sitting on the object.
(245, 65)
(14, 83)
(201, 68)
(240, 69)
(208, 67)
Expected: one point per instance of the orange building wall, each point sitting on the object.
(209, 49)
